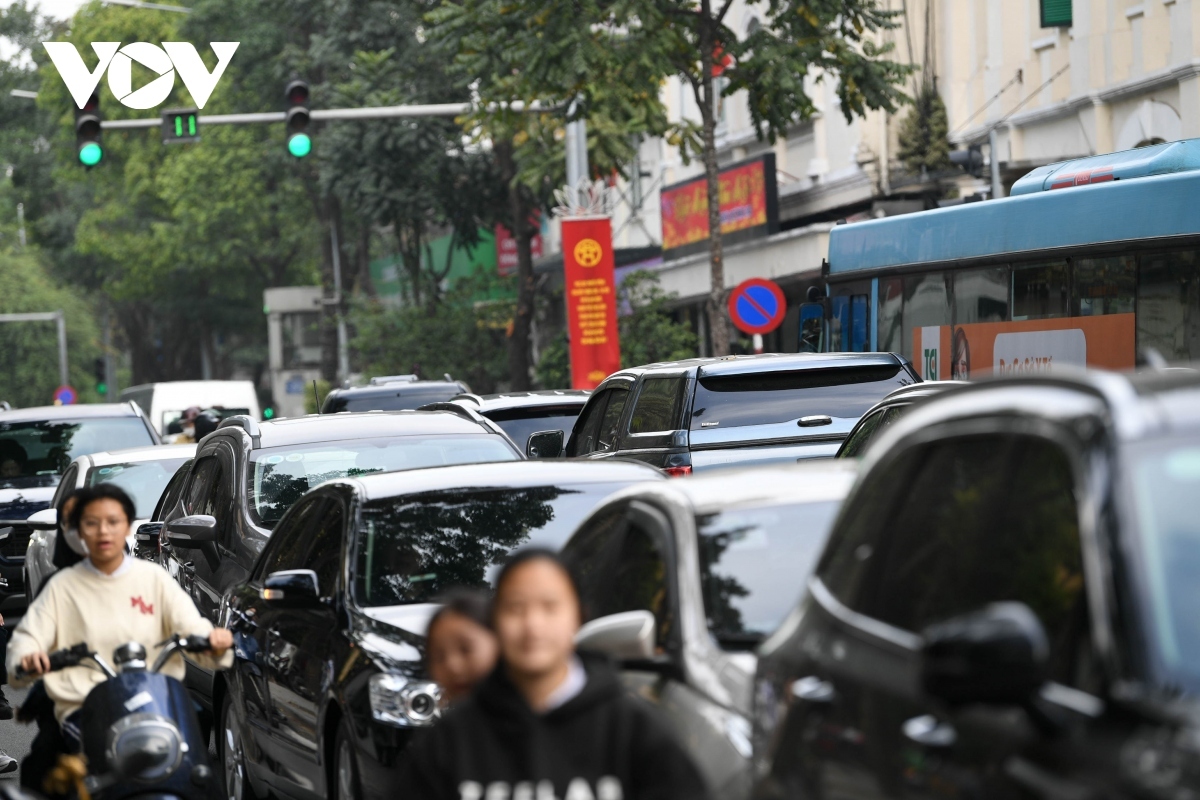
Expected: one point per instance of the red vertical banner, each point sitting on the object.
(591, 294)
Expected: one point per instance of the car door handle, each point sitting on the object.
(812, 689)
(929, 731)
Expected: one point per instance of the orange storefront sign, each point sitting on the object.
(591, 294)
(746, 192)
(943, 352)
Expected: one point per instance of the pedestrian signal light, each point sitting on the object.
(299, 142)
(88, 148)
(180, 125)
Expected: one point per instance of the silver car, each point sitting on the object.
(684, 578)
(143, 472)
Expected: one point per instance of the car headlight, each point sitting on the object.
(145, 747)
(397, 700)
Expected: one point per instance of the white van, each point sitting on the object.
(165, 402)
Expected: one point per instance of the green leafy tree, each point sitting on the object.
(649, 332)
(621, 50)
(29, 358)
(533, 51)
(924, 133)
(458, 335)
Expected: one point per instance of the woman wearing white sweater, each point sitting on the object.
(106, 600)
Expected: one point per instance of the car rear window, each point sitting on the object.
(765, 398)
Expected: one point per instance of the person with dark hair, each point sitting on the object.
(13, 459)
(206, 422)
(106, 600)
(960, 366)
(548, 722)
(460, 648)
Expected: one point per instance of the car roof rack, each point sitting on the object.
(382, 380)
(246, 423)
(474, 398)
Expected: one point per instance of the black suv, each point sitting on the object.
(328, 686)
(522, 414)
(36, 447)
(392, 393)
(247, 474)
(713, 412)
(1006, 607)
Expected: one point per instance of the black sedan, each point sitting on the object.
(1006, 607)
(327, 685)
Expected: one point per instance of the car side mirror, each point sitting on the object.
(291, 588)
(999, 655)
(148, 532)
(628, 636)
(544, 444)
(192, 531)
(46, 519)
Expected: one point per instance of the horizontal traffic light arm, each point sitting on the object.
(381, 112)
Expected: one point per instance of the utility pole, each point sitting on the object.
(994, 158)
(576, 144)
(343, 354)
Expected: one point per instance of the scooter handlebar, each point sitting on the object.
(61, 659)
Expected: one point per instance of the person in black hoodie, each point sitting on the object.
(548, 723)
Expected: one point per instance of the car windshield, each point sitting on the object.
(36, 453)
(412, 549)
(765, 398)
(1166, 488)
(753, 566)
(143, 481)
(520, 426)
(399, 400)
(279, 475)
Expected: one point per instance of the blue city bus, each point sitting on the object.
(1094, 261)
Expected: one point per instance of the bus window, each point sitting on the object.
(926, 302)
(1040, 290)
(812, 325)
(1104, 286)
(981, 295)
(859, 338)
(891, 304)
(1168, 304)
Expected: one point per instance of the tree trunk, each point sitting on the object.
(718, 325)
(519, 212)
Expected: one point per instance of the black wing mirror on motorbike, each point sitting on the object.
(192, 531)
(544, 444)
(292, 588)
(999, 655)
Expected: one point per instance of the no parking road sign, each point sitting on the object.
(757, 306)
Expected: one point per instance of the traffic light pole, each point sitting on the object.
(48, 316)
(330, 114)
(317, 115)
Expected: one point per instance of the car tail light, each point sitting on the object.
(678, 472)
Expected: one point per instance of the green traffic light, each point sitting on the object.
(299, 145)
(101, 388)
(90, 154)
(268, 412)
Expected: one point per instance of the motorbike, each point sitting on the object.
(140, 733)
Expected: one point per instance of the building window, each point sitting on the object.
(1056, 13)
